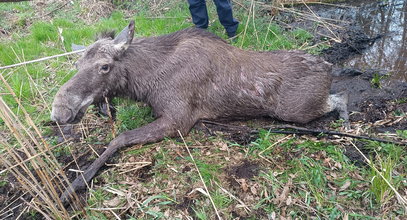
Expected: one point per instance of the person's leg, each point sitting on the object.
(199, 13)
(224, 9)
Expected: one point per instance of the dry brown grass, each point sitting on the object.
(32, 163)
(93, 10)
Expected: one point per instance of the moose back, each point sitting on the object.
(190, 75)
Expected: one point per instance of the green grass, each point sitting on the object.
(380, 189)
(402, 134)
(133, 115)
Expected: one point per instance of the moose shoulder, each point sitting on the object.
(190, 75)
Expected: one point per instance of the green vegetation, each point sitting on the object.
(133, 115)
(297, 177)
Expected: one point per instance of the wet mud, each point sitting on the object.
(368, 38)
(246, 170)
(365, 35)
(368, 41)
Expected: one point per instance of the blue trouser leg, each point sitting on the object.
(199, 13)
(224, 9)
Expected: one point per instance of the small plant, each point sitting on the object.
(399, 113)
(337, 124)
(3, 183)
(311, 173)
(379, 183)
(201, 214)
(262, 143)
(402, 133)
(401, 101)
(208, 171)
(221, 201)
(97, 198)
(376, 80)
(150, 205)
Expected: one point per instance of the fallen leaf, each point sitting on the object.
(338, 165)
(190, 194)
(289, 201)
(282, 198)
(253, 190)
(167, 214)
(243, 184)
(332, 187)
(113, 202)
(155, 209)
(345, 185)
(327, 162)
(273, 215)
(223, 146)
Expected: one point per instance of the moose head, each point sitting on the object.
(98, 76)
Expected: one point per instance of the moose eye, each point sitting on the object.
(105, 67)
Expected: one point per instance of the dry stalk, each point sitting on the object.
(37, 183)
(39, 174)
(40, 59)
(400, 199)
(337, 39)
(200, 176)
(41, 153)
(135, 168)
(247, 22)
(254, 23)
(267, 33)
(325, 22)
(246, 208)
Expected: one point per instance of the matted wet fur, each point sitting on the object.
(190, 75)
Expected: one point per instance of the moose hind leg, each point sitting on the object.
(339, 102)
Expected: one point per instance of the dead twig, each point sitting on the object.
(40, 59)
(200, 176)
(290, 129)
(400, 199)
(56, 9)
(246, 208)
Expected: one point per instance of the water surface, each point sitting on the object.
(389, 53)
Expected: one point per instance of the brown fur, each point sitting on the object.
(190, 75)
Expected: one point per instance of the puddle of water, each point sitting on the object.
(388, 18)
(355, 22)
(389, 53)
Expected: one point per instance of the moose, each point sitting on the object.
(191, 75)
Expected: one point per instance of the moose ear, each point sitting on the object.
(77, 47)
(123, 40)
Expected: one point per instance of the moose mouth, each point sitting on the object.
(78, 117)
(63, 114)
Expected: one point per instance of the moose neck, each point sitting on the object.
(139, 67)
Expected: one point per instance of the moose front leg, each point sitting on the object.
(149, 133)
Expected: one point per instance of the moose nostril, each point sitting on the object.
(61, 115)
